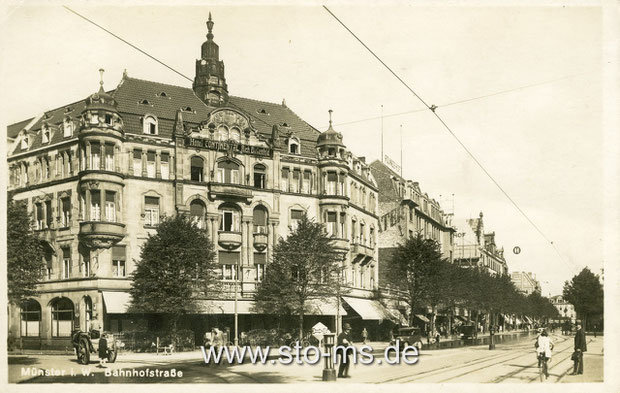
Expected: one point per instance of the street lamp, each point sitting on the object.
(329, 372)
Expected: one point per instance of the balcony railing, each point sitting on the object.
(101, 234)
(229, 240)
(229, 190)
(260, 241)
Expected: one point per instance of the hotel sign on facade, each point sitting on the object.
(229, 146)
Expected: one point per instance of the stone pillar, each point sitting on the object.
(130, 162)
(87, 155)
(158, 164)
(250, 241)
(117, 157)
(144, 153)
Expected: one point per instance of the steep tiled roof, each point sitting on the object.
(13, 130)
(132, 92)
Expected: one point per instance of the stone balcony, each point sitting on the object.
(260, 241)
(229, 240)
(101, 234)
(340, 244)
(227, 190)
(362, 253)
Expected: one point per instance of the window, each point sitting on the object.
(228, 172)
(48, 214)
(229, 261)
(235, 134)
(229, 272)
(259, 219)
(293, 146)
(45, 136)
(165, 165)
(137, 162)
(371, 238)
(95, 205)
(118, 261)
(296, 216)
(95, 155)
(109, 157)
(197, 165)
(39, 216)
(66, 263)
(67, 126)
(332, 179)
(30, 318)
(343, 220)
(150, 164)
(284, 180)
(305, 186)
(353, 231)
(25, 142)
(108, 119)
(222, 133)
(86, 264)
(229, 220)
(94, 118)
(341, 185)
(295, 183)
(197, 211)
(332, 224)
(60, 165)
(362, 234)
(62, 317)
(259, 265)
(259, 176)
(110, 206)
(149, 123)
(151, 211)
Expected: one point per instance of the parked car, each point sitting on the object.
(408, 336)
(467, 331)
(86, 343)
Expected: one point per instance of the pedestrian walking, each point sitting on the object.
(364, 335)
(103, 350)
(344, 341)
(580, 348)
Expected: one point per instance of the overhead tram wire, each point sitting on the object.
(433, 108)
(463, 100)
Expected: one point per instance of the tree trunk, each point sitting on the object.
(301, 325)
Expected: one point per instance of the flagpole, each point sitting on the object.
(381, 132)
(401, 150)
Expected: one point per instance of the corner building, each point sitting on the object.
(99, 174)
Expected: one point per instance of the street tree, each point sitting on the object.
(585, 292)
(176, 269)
(305, 267)
(24, 253)
(415, 267)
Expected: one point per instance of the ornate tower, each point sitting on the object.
(210, 83)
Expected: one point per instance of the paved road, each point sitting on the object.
(508, 363)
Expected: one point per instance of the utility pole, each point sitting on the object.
(401, 150)
(381, 132)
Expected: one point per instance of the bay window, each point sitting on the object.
(95, 205)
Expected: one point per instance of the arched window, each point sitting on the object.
(25, 141)
(260, 219)
(197, 211)
(235, 134)
(150, 125)
(197, 168)
(222, 133)
(30, 318)
(229, 219)
(228, 172)
(293, 146)
(260, 176)
(62, 317)
(45, 137)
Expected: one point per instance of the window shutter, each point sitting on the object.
(118, 253)
(260, 258)
(228, 258)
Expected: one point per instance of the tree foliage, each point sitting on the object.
(176, 268)
(585, 292)
(24, 253)
(305, 266)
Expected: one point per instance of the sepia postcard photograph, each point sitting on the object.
(338, 196)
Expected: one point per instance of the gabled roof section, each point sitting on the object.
(13, 130)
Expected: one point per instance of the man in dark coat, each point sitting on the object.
(344, 340)
(580, 348)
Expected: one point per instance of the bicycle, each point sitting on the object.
(543, 370)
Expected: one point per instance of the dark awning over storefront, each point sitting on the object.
(368, 309)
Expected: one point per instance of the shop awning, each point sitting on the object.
(398, 317)
(368, 309)
(314, 307)
(324, 307)
(116, 302)
(423, 318)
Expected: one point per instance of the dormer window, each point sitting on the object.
(150, 125)
(108, 119)
(262, 111)
(25, 142)
(293, 146)
(235, 134)
(145, 102)
(94, 118)
(67, 127)
(187, 109)
(45, 136)
(163, 94)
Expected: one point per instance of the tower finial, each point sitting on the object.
(210, 27)
(101, 71)
(330, 118)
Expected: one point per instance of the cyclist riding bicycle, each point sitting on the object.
(544, 346)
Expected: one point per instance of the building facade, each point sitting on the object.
(565, 309)
(525, 282)
(475, 248)
(99, 174)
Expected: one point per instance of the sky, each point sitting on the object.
(538, 130)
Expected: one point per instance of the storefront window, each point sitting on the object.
(30, 318)
(62, 317)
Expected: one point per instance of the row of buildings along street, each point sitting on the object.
(99, 174)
